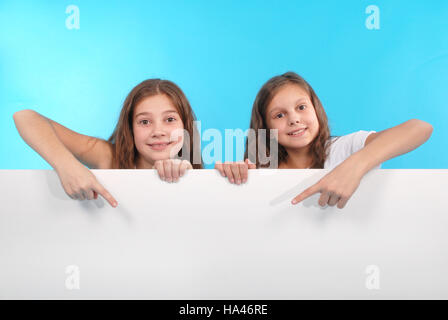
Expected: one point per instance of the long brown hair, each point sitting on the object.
(319, 146)
(122, 139)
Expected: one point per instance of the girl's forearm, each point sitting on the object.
(391, 143)
(40, 135)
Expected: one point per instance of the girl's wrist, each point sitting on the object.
(64, 163)
(359, 163)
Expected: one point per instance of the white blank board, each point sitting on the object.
(204, 238)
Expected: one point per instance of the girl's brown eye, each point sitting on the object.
(144, 122)
(302, 106)
(171, 119)
(280, 115)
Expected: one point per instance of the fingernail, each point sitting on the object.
(231, 180)
(238, 181)
(294, 201)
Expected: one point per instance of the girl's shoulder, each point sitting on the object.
(352, 141)
(342, 147)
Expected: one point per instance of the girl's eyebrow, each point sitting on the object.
(304, 99)
(170, 111)
(149, 113)
(141, 114)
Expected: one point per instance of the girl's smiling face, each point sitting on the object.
(292, 113)
(157, 128)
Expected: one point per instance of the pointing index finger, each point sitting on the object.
(306, 194)
(106, 195)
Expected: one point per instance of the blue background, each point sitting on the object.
(220, 53)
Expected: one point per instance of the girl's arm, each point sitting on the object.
(62, 148)
(390, 143)
(59, 145)
(339, 184)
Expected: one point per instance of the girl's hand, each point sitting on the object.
(236, 172)
(80, 184)
(336, 187)
(171, 170)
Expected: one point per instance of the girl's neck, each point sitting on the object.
(141, 163)
(297, 159)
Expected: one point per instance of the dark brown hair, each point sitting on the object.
(122, 139)
(319, 146)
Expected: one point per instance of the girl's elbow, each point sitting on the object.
(426, 126)
(430, 130)
(19, 114)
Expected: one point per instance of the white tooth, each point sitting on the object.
(297, 132)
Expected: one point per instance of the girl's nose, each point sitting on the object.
(293, 121)
(157, 131)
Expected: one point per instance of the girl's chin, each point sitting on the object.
(293, 146)
(161, 155)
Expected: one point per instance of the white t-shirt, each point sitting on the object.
(344, 146)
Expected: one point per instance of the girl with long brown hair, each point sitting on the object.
(289, 110)
(155, 130)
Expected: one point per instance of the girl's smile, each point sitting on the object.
(297, 133)
(159, 146)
